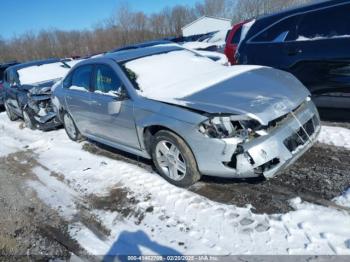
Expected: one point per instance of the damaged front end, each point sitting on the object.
(40, 110)
(247, 148)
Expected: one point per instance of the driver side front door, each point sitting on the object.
(111, 110)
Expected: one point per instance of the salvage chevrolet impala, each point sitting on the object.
(189, 114)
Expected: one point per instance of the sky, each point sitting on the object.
(20, 16)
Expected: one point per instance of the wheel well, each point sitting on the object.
(149, 132)
(61, 113)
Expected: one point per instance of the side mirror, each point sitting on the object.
(121, 93)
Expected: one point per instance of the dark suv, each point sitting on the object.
(3, 67)
(311, 42)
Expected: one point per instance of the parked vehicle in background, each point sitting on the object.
(189, 114)
(311, 42)
(214, 41)
(27, 92)
(232, 42)
(3, 67)
(215, 56)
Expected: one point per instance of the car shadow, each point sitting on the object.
(113, 153)
(116, 154)
(130, 243)
(221, 180)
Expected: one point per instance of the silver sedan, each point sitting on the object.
(192, 116)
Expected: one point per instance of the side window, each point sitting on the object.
(237, 36)
(10, 77)
(331, 22)
(81, 78)
(282, 31)
(107, 81)
(67, 81)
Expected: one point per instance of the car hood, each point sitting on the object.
(262, 93)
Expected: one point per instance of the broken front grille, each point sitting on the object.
(301, 136)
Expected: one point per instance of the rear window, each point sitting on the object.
(284, 30)
(237, 36)
(331, 22)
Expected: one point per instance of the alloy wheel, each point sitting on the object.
(170, 160)
(69, 125)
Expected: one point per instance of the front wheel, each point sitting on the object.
(70, 127)
(174, 160)
(28, 120)
(9, 112)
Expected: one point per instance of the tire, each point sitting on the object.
(28, 120)
(173, 159)
(9, 112)
(70, 127)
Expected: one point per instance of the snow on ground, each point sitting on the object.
(177, 221)
(344, 199)
(336, 136)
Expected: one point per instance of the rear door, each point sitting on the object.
(323, 64)
(78, 96)
(275, 46)
(111, 109)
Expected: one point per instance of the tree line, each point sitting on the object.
(126, 27)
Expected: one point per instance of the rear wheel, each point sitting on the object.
(174, 160)
(70, 127)
(9, 112)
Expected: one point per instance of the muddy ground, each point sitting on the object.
(26, 224)
(320, 175)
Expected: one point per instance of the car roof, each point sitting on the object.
(267, 20)
(131, 54)
(8, 64)
(141, 45)
(34, 63)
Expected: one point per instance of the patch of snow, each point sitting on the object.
(42, 73)
(335, 136)
(178, 222)
(303, 38)
(197, 45)
(344, 199)
(218, 57)
(178, 74)
(245, 29)
(218, 38)
(78, 88)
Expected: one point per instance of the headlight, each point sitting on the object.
(225, 127)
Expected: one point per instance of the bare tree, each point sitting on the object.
(127, 27)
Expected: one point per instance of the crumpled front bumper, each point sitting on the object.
(266, 155)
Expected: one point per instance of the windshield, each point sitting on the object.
(43, 73)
